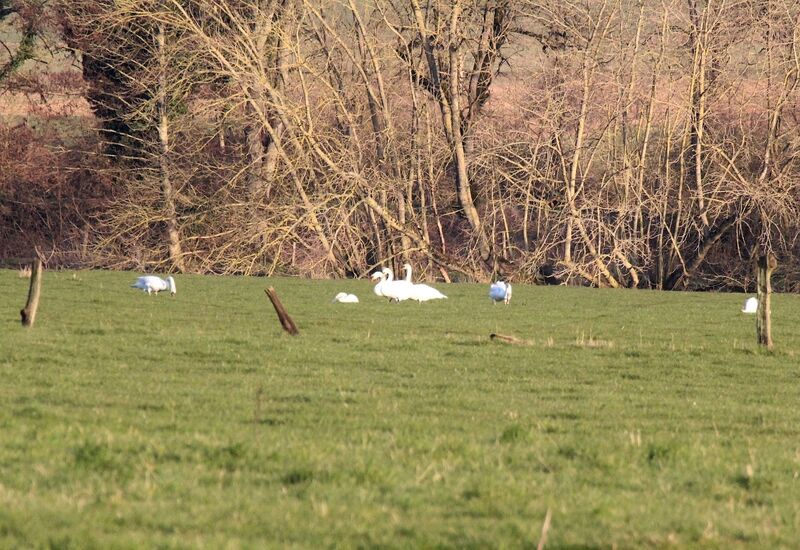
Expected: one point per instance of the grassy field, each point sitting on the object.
(638, 419)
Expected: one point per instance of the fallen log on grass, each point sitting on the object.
(509, 339)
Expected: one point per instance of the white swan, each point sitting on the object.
(381, 276)
(750, 305)
(421, 292)
(395, 290)
(345, 298)
(500, 292)
(152, 284)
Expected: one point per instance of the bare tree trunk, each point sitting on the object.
(458, 141)
(254, 142)
(448, 100)
(167, 192)
(575, 220)
(280, 76)
(417, 172)
(377, 102)
(269, 47)
(699, 36)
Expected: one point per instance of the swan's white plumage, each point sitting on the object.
(381, 276)
(395, 290)
(421, 292)
(500, 292)
(152, 284)
(750, 305)
(345, 298)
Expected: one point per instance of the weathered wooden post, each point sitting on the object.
(28, 313)
(286, 321)
(766, 264)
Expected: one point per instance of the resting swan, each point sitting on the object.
(421, 292)
(500, 292)
(345, 298)
(152, 284)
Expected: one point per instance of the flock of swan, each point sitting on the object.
(386, 287)
(399, 290)
(403, 289)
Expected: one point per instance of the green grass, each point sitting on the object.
(639, 419)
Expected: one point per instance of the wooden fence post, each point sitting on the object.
(766, 264)
(286, 321)
(28, 313)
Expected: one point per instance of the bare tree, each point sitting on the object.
(635, 143)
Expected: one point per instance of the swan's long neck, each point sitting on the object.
(407, 269)
(389, 276)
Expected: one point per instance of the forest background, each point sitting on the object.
(613, 143)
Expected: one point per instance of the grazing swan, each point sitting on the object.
(151, 284)
(421, 292)
(395, 290)
(750, 305)
(500, 292)
(345, 298)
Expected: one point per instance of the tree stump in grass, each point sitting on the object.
(286, 321)
(28, 313)
(766, 265)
